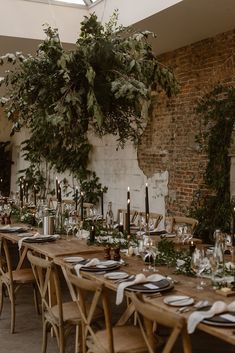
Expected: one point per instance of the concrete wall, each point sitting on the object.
(118, 169)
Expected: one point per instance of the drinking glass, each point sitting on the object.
(67, 227)
(199, 263)
(154, 253)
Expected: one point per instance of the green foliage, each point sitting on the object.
(92, 189)
(104, 84)
(213, 208)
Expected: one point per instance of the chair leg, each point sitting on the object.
(13, 312)
(36, 301)
(61, 340)
(1, 297)
(44, 337)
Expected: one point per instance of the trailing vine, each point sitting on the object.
(213, 208)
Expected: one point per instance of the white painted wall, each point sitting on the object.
(119, 169)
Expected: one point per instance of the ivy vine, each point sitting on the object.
(213, 208)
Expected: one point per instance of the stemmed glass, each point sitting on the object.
(199, 263)
(154, 253)
(67, 227)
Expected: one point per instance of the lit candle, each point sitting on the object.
(34, 195)
(59, 193)
(102, 203)
(21, 193)
(26, 192)
(146, 203)
(128, 217)
(1, 184)
(82, 206)
(128, 193)
(76, 199)
(192, 247)
(233, 235)
(56, 187)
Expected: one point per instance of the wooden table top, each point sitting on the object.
(185, 286)
(59, 247)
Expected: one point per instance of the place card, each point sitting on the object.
(151, 286)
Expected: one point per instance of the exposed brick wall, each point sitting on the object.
(168, 142)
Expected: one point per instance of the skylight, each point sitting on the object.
(67, 2)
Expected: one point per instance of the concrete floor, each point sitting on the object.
(27, 338)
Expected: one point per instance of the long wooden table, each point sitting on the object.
(184, 286)
(60, 248)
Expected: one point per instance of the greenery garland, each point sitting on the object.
(213, 208)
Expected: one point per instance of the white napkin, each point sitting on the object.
(217, 308)
(35, 236)
(92, 262)
(140, 278)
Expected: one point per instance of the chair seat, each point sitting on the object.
(24, 275)
(71, 313)
(126, 339)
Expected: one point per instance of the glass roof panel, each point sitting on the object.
(79, 2)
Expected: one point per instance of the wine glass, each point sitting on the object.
(199, 263)
(154, 253)
(214, 264)
(67, 227)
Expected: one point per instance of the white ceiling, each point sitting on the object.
(189, 21)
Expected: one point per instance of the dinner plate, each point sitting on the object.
(151, 287)
(220, 319)
(178, 300)
(116, 275)
(12, 229)
(73, 259)
(42, 239)
(102, 267)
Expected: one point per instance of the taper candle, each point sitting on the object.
(34, 195)
(76, 199)
(102, 203)
(128, 218)
(82, 206)
(56, 187)
(233, 235)
(146, 203)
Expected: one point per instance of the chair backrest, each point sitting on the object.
(122, 214)
(150, 314)
(5, 260)
(154, 219)
(178, 220)
(98, 294)
(45, 271)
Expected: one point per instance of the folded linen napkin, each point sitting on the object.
(140, 278)
(217, 308)
(35, 236)
(92, 262)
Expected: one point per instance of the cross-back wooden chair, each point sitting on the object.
(178, 220)
(117, 339)
(148, 313)
(13, 279)
(154, 219)
(62, 316)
